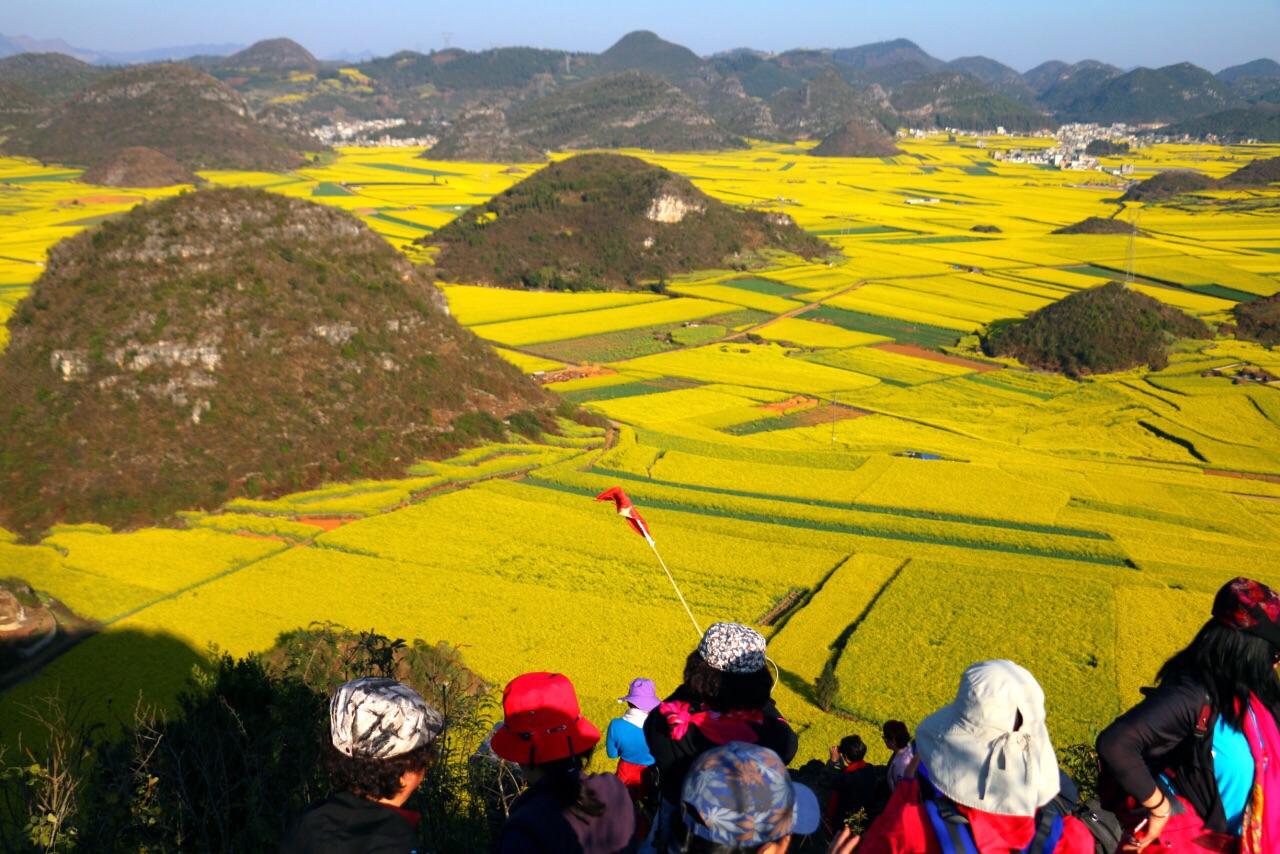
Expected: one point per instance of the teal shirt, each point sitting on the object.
(1233, 770)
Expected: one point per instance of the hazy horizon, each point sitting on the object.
(1126, 33)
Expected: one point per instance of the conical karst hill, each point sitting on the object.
(864, 137)
(185, 114)
(226, 343)
(138, 166)
(606, 221)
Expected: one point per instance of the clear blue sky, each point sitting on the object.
(1020, 33)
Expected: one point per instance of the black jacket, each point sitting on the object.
(673, 758)
(1159, 735)
(539, 825)
(865, 788)
(344, 823)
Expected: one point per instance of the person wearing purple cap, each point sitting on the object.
(624, 741)
(1197, 757)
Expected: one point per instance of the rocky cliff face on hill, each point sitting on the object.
(183, 113)
(227, 343)
(605, 220)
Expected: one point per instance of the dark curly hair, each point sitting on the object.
(726, 692)
(376, 779)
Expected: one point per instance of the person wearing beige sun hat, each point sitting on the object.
(564, 809)
(984, 774)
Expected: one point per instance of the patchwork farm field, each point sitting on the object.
(810, 457)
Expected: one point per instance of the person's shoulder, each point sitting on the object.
(606, 784)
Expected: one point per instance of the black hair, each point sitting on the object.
(897, 734)
(567, 787)
(375, 779)
(853, 748)
(698, 845)
(1231, 664)
(723, 691)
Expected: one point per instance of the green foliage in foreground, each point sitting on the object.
(235, 760)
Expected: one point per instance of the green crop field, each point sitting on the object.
(884, 508)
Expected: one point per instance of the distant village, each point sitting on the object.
(368, 134)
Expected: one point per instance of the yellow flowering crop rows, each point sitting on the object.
(806, 642)
(1140, 651)
(745, 364)
(808, 333)
(938, 619)
(738, 296)
(889, 366)
(472, 305)
(537, 330)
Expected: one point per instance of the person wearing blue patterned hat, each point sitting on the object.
(740, 798)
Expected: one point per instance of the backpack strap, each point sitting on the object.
(1202, 720)
(949, 826)
(1048, 833)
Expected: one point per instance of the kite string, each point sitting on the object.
(654, 546)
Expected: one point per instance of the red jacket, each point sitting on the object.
(903, 828)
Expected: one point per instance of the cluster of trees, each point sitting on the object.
(1096, 331)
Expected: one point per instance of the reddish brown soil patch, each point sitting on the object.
(328, 523)
(797, 402)
(582, 373)
(1256, 497)
(824, 415)
(102, 200)
(934, 356)
(1269, 478)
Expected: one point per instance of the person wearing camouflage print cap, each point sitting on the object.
(381, 734)
(725, 696)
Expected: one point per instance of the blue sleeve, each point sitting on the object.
(611, 740)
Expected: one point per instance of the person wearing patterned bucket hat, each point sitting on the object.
(381, 736)
(740, 797)
(1196, 758)
(724, 697)
(563, 809)
(983, 776)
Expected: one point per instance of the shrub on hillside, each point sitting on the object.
(236, 759)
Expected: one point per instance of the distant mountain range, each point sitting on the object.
(517, 103)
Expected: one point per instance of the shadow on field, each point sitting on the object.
(801, 686)
(98, 681)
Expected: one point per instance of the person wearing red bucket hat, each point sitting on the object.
(563, 809)
(1192, 766)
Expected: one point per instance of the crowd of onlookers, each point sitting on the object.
(1194, 767)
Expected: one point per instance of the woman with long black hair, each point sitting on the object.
(1199, 757)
